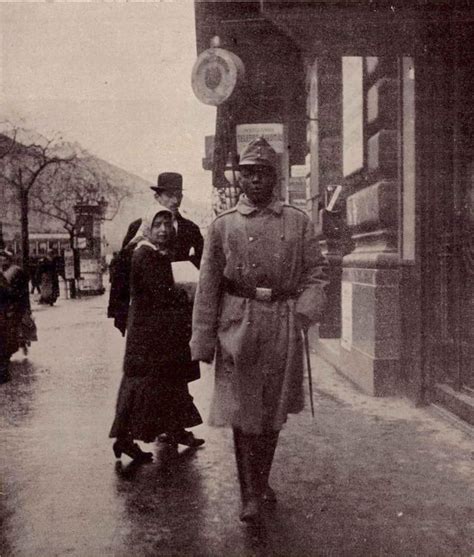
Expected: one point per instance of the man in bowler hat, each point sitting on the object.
(188, 245)
(261, 283)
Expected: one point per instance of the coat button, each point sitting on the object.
(254, 265)
(251, 238)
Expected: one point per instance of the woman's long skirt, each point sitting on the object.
(148, 406)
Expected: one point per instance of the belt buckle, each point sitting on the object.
(263, 294)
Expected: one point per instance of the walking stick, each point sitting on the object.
(308, 365)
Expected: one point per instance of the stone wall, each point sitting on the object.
(371, 339)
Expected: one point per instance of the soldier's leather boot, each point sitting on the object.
(247, 469)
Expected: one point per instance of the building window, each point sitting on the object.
(352, 114)
(408, 224)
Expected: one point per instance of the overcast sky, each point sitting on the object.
(116, 77)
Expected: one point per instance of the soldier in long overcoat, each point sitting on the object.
(261, 282)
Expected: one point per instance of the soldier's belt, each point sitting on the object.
(258, 293)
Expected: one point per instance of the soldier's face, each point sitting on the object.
(258, 182)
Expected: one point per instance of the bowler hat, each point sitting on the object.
(169, 181)
(258, 151)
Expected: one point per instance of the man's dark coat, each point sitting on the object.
(188, 239)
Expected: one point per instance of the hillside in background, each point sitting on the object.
(134, 192)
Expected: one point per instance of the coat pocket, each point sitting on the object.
(232, 311)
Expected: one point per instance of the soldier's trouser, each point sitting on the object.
(254, 456)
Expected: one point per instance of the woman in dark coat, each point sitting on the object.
(14, 307)
(47, 276)
(153, 396)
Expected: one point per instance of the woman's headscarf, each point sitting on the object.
(144, 232)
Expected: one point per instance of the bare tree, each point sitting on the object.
(7, 144)
(27, 157)
(81, 182)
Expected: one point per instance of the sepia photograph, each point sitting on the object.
(236, 278)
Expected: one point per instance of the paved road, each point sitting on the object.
(368, 477)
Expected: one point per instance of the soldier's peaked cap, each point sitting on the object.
(258, 151)
(169, 181)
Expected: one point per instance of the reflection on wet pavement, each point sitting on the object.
(352, 482)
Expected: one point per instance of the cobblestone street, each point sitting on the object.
(366, 477)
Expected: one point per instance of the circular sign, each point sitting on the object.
(216, 74)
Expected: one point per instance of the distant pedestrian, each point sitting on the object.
(14, 308)
(261, 282)
(47, 276)
(33, 275)
(154, 398)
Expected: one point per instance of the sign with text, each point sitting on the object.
(273, 133)
(297, 185)
(297, 195)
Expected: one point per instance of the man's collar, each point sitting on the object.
(246, 207)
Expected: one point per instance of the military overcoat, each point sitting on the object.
(259, 356)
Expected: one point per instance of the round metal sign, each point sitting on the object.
(216, 74)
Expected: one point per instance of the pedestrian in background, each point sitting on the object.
(187, 245)
(154, 396)
(14, 308)
(48, 279)
(33, 275)
(261, 282)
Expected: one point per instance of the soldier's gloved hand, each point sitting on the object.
(205, 360)
(302, 321)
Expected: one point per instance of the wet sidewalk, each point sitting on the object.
(366, 477)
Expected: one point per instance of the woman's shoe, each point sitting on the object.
(187, 438)
(166, 438)
(132, 450)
